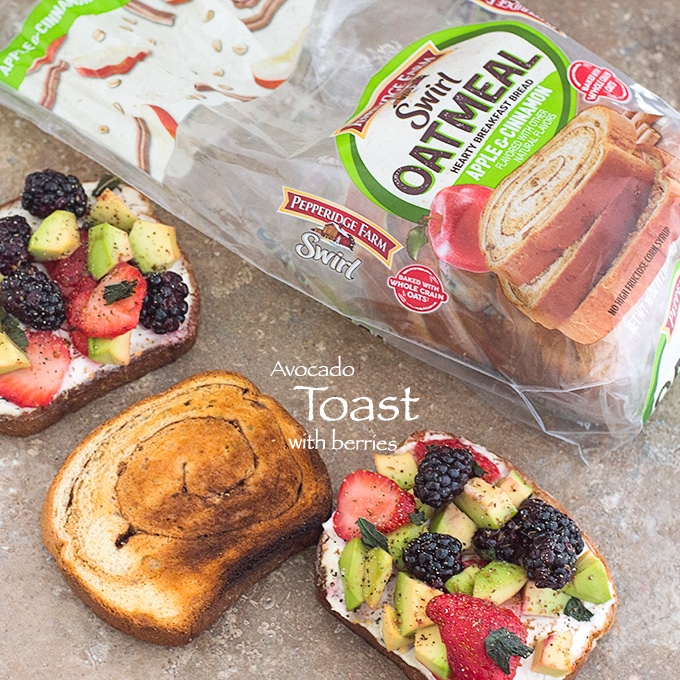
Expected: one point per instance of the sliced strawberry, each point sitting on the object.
(36, 385)
(483, 641)
(113, 306)
(491, 472)
(71, 273)
(373, 497)
(79, 341)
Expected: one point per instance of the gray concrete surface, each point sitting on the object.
(627, 501)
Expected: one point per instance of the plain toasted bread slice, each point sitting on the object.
(555, 196)
(163, 516)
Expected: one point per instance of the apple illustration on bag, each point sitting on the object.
(452, 227)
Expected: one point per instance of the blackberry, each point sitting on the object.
(550, 560)
(537, 517)
(164, 307)
(505, 544)
(32, 297)
(434, 558)
(14, 236)
(49, 190)
(442, 474)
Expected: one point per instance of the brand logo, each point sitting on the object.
(394, 88)
(338, 225)
(510, 7)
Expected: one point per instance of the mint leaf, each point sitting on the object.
(418, 518)
(370, 536)
(577, 610)
(119, 291)
(10, 326)
(477, 469)
(501, 645)
(415, 240)
(106, 182)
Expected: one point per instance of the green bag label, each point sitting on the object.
(48, 22)
(466, 105)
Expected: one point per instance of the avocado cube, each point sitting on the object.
(114, 351)
(399, 467)
(154, 246)
(410, 600)
(590, 581)
(377, 572)
(398, 540)
(111, 208)
(499, 581)
(351, 564)
(487, 506)
(392, 638)
(543, 601)
(56, 237)
(12, 357)
(453, 521)
(431, 652)
(463, 582)
(516, 488)
(106, 247)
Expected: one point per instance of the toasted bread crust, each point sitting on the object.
(413, 673)
(166, 514)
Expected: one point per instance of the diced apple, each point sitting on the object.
(552, 655)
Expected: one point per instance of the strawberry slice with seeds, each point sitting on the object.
(491, 472)
(71, 273)
(36, 385)
(483, 640)
(112, 307)
(368, 495)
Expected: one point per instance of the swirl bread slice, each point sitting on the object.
(554, 198)
(552, 296)
(639, 260)
(368, 620)
(163, 516)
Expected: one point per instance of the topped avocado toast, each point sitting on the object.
(457, 566)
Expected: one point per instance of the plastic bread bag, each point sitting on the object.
(461, 178)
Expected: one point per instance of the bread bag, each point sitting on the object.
(477, 550)
(466, 181)
(65, 248)
(164, 515)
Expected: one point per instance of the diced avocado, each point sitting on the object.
(516, 488)
(392, 638)
(377, 572)
(110, 350)
(410, 599)
(398, 540)
(112, 209)
(154, 246)
(464, 581)
(56, 237)
(351, 564)
(11, 357)
(487, 506)
(106, 247)
(423, 508)
(399, 467)
(590, 581)
(552, 655)
(453, 521)
(499, 581)
(431, 652)
(543, 601)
